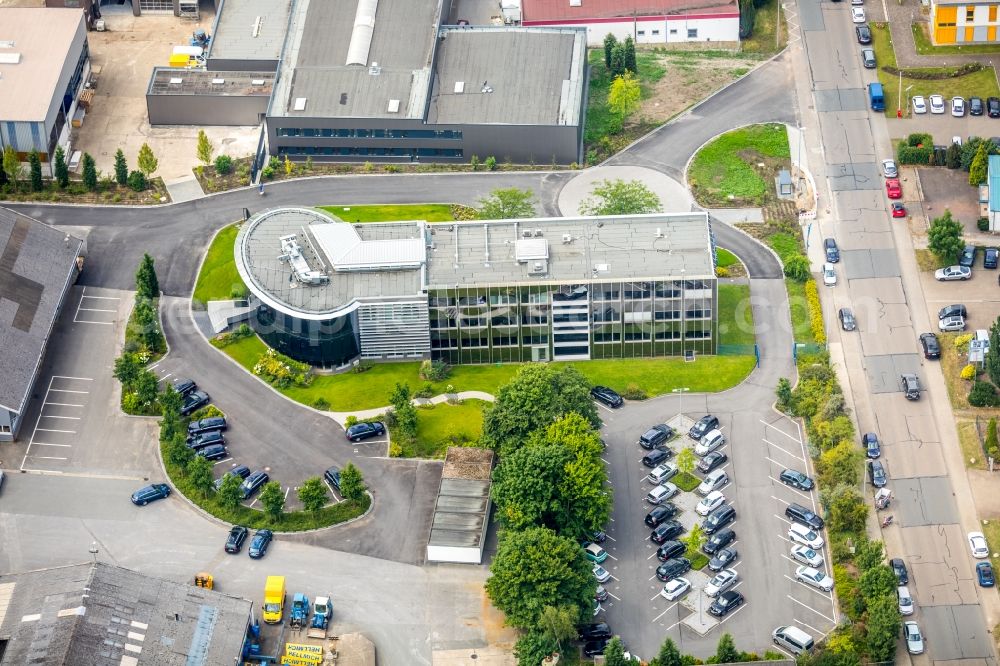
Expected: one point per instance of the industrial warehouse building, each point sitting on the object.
(44, 66)
(384, 81)
(328, 292)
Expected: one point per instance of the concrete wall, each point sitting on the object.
(224, 65)
(201, 110)
(658, 29)
(86, 6)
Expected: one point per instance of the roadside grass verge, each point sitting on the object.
(927, 261)
(799, 308)
(440, 212)
(763, 39)
(293, 521)
(218, 277)
(724, 173)
(735, 315)
(924, 46)
(443, 425)
(370, 389)
(968, 440)
(725, 258)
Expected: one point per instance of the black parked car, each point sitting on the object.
(711, 461)
(360, 431)
(899, 568)
(594, 648)
(702, 426)
(990, 257)
(669, 550)
(796, 479)
(872, 448)
(723, 558)
(876, 474)
(847, 320)
(212, 452)
(205, 425)
(656, 436)
(976, 106)
(726, 602)
(332, 477)
(254, 482)
(258, 547)
(673, 568)
(666, 531)
(910, 386)
(719, 518)
(184, 386)
(237, 535)
(241, 471)
(596, 631)
(656, 456)
(606, 396)
(192, 401)
(864, 34)
(800, 514)
(930, 345)
(993, 107)
(205, 439)
(147, 494)
(956, 310)
(831, 250)
(718, 541)
(968, 256)
(665, 511)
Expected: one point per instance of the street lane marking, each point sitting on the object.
(810, 608)
(71, 432)
(664, 612)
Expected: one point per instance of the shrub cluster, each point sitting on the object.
(815, 312)
(281, 372)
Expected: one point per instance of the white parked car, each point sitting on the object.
(721, 582)
(919, 104)
(858, 14)
(661, 473)
(889, 169)
(710, 503)
(675, 589)
(714, 480)
(814, 577)
(857, 2)
(977, 542)
(905, 600)
(829, 275)
(914, 641)
(955, 272)
(712, 440)
(601, 574)
(662, 493)
(937, 103)
(807, 556)
(955, 323)
(958, 106)
(801, 534)
(957, 140)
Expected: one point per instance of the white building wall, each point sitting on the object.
(460, 554)
(658, 30)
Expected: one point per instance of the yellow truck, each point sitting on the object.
(274, 599)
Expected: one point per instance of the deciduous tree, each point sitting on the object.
(944, 238)
(146, 387)
(883, 628)
(11, 164)
(313, 494)
(623, 97)
(178, 452)
(558, 623)
(273, 500)
(199, 471)
(352, 484)
(205, 148)
(526, 488)
(536, 568)
(694, 539)
(127, 369)
(839, 465)
(686, 460)
(532, 647)
(231, 491)
(147, 160)
(848, 510)
(507, 203)
(619, 197)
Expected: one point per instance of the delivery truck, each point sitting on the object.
(274, 599)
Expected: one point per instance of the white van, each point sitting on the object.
(792, 639)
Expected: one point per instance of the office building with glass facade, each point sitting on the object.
(329, 292)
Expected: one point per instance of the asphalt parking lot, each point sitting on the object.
(74, 425)
(761, 444)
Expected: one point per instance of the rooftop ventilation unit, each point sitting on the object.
(486, 89)
(659, 232)
(539, 268)
(538, 233)
(575, 3)
(10, 58)
(601, 268)
(6, 43)
(393, 106)
(257, 24)
(291, 252)
(176, 81)
(459, 87)
(567, 239)
(374, 70)
(256, 82)
(526, 233)
(343, 98)
(300, 104)
(218, 82)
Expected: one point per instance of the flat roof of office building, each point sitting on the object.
(34, 45)
(514, 76)
(330, 66)
(561, 250)
(250, 29)
(174, 81)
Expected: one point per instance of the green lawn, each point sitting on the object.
(785, 245)
(392, 212)
(725, 167)
(763, 40)
(600, 121)
(369, 390)
(735, 315)
(982, 83)
(925, 47)
(445, 425)
(218, 275)
(801, 327)
(725, 258)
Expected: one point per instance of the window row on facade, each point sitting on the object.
(541, 295)
(369, 133)
(334, 151)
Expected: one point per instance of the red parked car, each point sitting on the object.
(893, 188)
(898, 209)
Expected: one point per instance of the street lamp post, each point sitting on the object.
(899, 100)
(93, 551)
(681, 391)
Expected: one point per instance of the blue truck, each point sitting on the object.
(876, 97)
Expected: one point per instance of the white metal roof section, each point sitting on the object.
(346, 250)
(530, 249)
(361, 36)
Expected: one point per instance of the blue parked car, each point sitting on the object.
(261, 540)
(872, 448)
(150, 493)
(984, 571)
(360, 431)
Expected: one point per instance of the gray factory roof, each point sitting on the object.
(351, 57)
(250, 29)
(36, 264)
(95, 614)
(532, 76)
(463, 503)
(351, 262)
(560, 250)
(174, 81)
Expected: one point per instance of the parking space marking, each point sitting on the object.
(68, 391)
(779, 649)
(47, 458)
(54, 416)
(286, 492)
(612, 556)
(780, 500)
(825, 595)
(224, 460)
(808, 626)
(103, 298)
(95, 310)
(613, 596)
(733, 614)
(785, 451)
(664, 612)
(82, 379)
(67, 446)
(71, 432)
(62, 404)
(80, 308)
(797, 492)
(609, 536)
(811, 608)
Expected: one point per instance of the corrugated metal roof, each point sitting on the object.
(549, 10)
(993, 171)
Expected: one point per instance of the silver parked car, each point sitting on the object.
(955, 272)
(914, 641)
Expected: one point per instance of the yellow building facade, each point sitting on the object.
(962, 22)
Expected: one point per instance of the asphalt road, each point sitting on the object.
(878, 279)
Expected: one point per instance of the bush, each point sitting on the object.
(815, 312)
(962, 342)
(223, 165)
(491, 163)
(281, 371)
(425, 391)
(983, 394)
(968, 372)
(434, 371)
(634, 392)
(991, 445)
(721, 272)
(351, 420)
(137, 181)
(267, 172)
(912, 155)
(207, 411)
(395, 450)
(983, 224)
(919, 139)
(797, 268)
(321, 404)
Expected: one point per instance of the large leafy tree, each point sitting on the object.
(536, 396)
(527, 488)
(507, 203)
(536, 568)
(944, 238)
(199, 471)
(231, 491)
(313, 494)
(620, 197)
(839, 465)
(993, 356)
(883, 628)
(668, 655)
(352, 484)
(726, 652)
